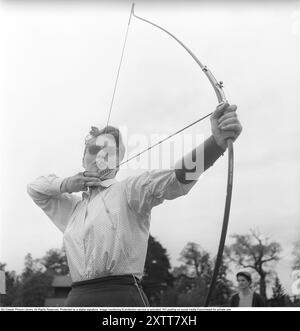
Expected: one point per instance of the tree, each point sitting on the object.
(31, 288)
(35, 282)
(255, 252)
(158, 275)
(279, 298)
(296, 253)
(196, 270)
(193, 278)
(31, 266)
(196, 260)
(55, 262)
(223, 290)
(35, 289)
(12, 282)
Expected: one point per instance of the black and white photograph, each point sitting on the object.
(150, 156)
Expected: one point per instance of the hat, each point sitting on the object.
(245, 274)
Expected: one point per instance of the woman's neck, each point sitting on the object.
(245, 291)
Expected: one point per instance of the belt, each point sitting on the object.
(109, 280)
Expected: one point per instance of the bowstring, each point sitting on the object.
(112, 103)
(221, 97)
(144, 151)
(108, 119)
(118, 71)
(114, 93)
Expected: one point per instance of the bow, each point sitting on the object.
(218, 88)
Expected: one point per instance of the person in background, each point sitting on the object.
(246, 296)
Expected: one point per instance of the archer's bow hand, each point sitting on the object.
(225, 124)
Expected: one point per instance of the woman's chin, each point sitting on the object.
(92, 169)
(104, 173)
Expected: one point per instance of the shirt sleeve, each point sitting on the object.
(45, 192)
(153, 187)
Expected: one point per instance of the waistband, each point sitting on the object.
(108, 281)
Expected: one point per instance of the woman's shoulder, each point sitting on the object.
(258, 300)
(234, 300)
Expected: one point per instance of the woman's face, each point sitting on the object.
(101, 154)
(243, 283)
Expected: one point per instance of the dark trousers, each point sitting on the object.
(112, 291)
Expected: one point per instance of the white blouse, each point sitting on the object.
(105, 232)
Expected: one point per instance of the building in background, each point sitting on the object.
(58, 292)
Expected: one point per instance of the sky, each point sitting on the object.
(58, 68)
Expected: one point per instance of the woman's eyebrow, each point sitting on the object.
(105, 144)
(94, 147)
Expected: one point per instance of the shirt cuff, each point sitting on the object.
(212, 151)
(55, 187)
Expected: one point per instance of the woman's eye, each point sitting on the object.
(94, 149)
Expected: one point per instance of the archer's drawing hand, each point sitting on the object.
(225, 124)
(80, 182)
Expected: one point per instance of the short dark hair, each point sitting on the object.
(115, 132)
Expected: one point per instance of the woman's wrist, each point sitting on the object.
(63, 186)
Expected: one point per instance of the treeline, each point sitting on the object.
(182, 286)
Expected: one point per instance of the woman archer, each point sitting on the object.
(105, 232)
